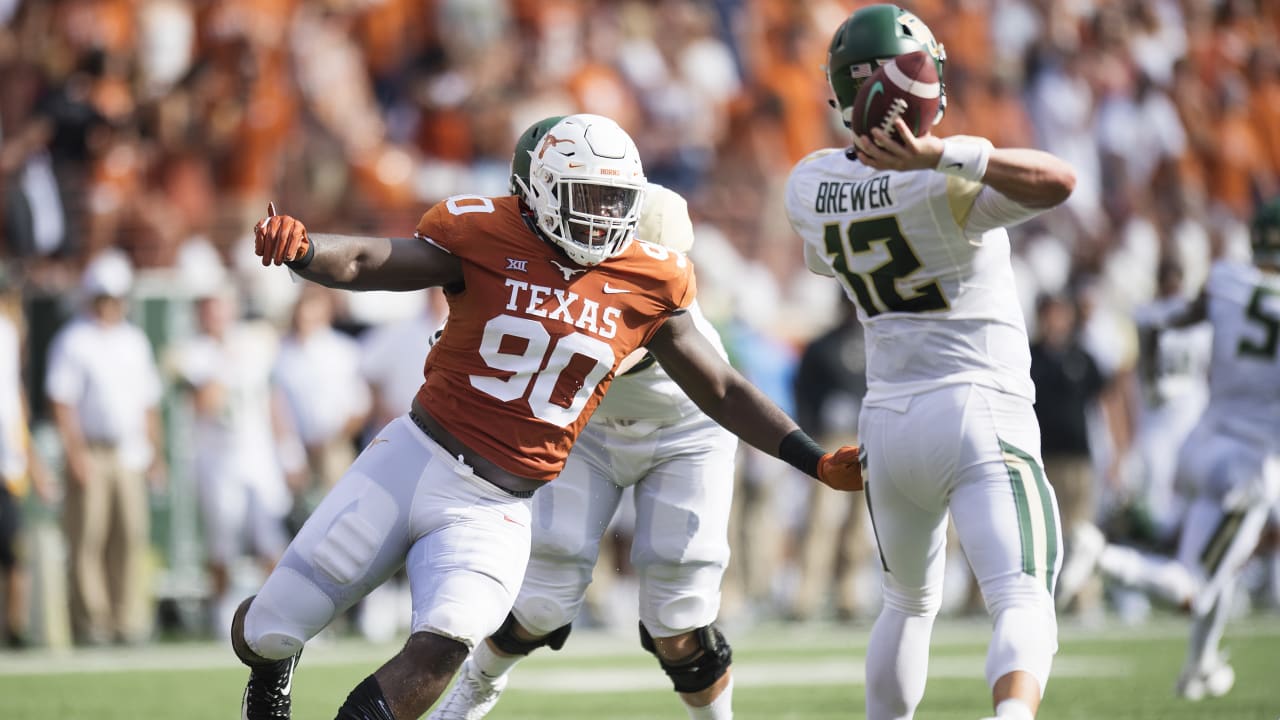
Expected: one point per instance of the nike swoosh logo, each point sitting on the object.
(611, 290)
(377, 441)
(876, 89)
(575, 166)
(288, 686)
(954, 165)
(512, 520)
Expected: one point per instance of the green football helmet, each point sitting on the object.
(1265, 233)
(870, 37)
(525, 145)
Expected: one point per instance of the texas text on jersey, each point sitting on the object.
(533, 338)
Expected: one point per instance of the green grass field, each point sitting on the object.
(783, 672)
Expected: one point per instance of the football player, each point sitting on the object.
(1173, 369)
(547, 293)
(1229, 465)
(947, 423)
(649, 435)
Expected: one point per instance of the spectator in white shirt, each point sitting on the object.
(104, 390)
(237, 444)
(327, 400)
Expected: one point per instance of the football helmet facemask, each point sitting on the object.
(869, 38)
(584, 185)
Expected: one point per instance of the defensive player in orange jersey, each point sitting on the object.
(547, 293)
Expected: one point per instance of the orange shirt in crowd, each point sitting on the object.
(1264, 112)
(1239, 161)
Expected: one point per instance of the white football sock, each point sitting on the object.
(490, 663)
(720, 709)
(1206, 631)
(897, 664)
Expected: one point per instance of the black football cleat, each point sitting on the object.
(267, 695)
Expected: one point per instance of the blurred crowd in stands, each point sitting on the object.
(140, 140)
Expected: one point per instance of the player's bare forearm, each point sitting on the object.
(355, 262)
(1032, 178)
(717, 388)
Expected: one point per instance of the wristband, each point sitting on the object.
(801, 452)
(306, 258)
(966, 160)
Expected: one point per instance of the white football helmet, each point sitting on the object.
(586, 187)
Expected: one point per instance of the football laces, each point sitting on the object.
(896, 108)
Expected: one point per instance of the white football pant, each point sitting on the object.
(975, 452)
(464, 543)
(683, 478)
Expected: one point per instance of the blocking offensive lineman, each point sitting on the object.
(547, 293)
(947, 422)
(648, 435)
(1229, 465)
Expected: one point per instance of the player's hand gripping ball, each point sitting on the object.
(906, 87)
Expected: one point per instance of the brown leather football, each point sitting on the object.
(906, 86)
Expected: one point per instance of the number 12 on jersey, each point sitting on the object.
(877, 289)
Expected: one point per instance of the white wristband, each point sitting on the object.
(966, 160)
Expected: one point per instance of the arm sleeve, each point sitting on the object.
(992, 209)
(977, 208)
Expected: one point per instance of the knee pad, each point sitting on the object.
(700, 670)
(505, 638)
(288, 611)
(1023, 638)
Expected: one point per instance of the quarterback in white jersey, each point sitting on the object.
(914, 231)
(649, 435)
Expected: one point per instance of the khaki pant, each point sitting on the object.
(107, 524)
(756, 535)
(328, 461)
(831, 550)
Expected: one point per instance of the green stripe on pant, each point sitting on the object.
(1037, 523)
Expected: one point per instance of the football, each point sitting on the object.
(908, 87)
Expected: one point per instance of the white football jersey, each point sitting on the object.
(651, 394)
(925, 258)
(1244, 376)
(1178, 368)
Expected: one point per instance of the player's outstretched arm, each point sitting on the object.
(353, 262)
(728, 398)
(1031, 178)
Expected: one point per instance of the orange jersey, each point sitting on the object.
(533, 339)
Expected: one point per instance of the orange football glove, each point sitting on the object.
(841, 470)
(279, 239)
